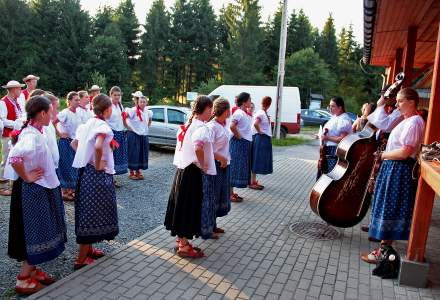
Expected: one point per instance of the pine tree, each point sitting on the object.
(18, 57)
(104, 16)
(153, 63)
(128, 24)
(243, 63)
(271, 44)
(108, 56)
(299, 33)
(328, 48)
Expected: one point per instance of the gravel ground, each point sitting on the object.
(141, 207)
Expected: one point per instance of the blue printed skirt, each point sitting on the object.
(120, 155)
(240, 162)
(223, 190)
(330, 161)
(262, 161)
(37, 230)
(67, 174)
(138, 147)
(96, 214)
(393, 202)
(209, 207)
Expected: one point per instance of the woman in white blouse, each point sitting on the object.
(338, 127)
(395, 188)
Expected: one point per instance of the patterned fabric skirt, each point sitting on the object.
(240, 162)
(96, 213)
(393, 202)
(138, 147)
(37, 227)
(223, 190)
(183, 215)
(120, 155)
(67, 174)
(330, 161)
(209, 207)
(262, 161)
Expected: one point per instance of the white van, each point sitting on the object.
(290, 110)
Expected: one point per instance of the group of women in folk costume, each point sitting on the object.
(395, 188)
(206, 160)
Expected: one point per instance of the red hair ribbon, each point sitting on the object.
(234, 109)
(138, 113)
(181, 135)
(114, 144)
(14, 134)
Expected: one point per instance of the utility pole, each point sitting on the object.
(280, 77)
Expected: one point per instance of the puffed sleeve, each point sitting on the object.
(259, 116)
(236, 117)
(25, 147)
(62, 116)
(201, 136)
(102, 128)
(382, 120)
(412, 133)
(345, 125)
(131, 112)
(150, 114)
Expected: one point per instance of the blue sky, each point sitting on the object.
(345, 12)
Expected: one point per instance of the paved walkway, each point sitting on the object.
(257, 258)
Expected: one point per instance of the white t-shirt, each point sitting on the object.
(220, 136)
(243, 121)
(139, 127)
(116, 121)
(409, 132)
(32, 148)
(338, 125)
(85, 153)
(202, 136)
(51, 135)
(69, 121)
(265, 126)
(185, 153)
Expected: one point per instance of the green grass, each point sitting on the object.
(309, 129)
(289, 141)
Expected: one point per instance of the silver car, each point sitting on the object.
(166, 121)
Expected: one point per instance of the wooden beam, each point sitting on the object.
(410, 52)
(396, 66)
(425, 194)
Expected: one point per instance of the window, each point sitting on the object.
(158, 115)
(176, 117)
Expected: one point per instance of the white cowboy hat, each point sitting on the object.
(138, 94)
(13, 84)
(30, 77)
(94, 88)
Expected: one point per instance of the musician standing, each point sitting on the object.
(395, 188)
(338, 127)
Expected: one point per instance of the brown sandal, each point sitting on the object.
(190, 253)
(219, 230)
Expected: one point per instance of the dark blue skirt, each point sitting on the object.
(67, 174)
(393, 202)
(120, 155)
(96, 213)
(223, 190)
(240, 162)
(262, 161)
(209, 206)
(138, 147)
(44, 224)
(330, 161)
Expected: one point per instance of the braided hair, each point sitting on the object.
(220, 105)
(34, 106)
(198, 107)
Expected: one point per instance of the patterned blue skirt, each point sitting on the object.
(240, 162)
(138, 147)
(393, 202)
(67, 174)
(209, 207)
(120, 155)
(223, 190)
(262, 161)
(330, 161)
(96, 214)
(44, 223)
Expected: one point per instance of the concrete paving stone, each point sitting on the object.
(81, 296)
(164, 278)
(268, 279)
(340, 286)
(286, 295)
(300, 294)
(304, 283)
(351, 293)
(232, 293)
(262, 289)
(317, 280)
(134, 291)
(314, 291)
(281, 278)
(325, 297)
(327, 289)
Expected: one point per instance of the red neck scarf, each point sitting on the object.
(37, 126)
(72, 109)
(138, 112)
(15, 102)
(221, 123)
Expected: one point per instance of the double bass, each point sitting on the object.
(341, 197)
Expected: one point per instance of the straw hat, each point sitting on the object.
(13, 84)
(138, 94)
(95, 88)
(30, 77)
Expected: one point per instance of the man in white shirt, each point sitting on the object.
(12, 115)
